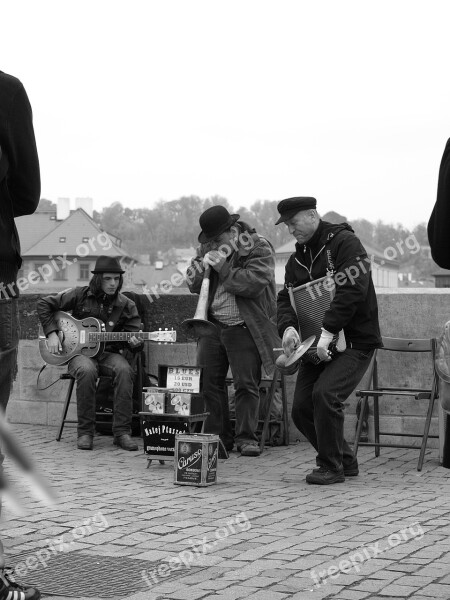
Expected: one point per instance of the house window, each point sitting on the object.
(62, 239)
(60, 275)
(84, 271)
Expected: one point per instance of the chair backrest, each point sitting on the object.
(413, 369)
(409, 345)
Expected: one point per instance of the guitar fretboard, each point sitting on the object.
(118, 336)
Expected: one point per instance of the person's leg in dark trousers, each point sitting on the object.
(116, 366)
(9, 342)
(318, 407)
(245, 364)
(212, 357)
(85, 371)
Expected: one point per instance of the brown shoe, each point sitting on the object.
(249, 449)
(85, 442)
(125, 442)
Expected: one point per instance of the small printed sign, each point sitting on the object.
(184, 379)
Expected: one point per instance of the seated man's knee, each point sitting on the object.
(86, 370)
(123, 369)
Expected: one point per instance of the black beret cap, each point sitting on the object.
(291, 206)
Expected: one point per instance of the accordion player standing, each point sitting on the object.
(323, 385)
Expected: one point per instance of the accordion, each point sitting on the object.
(310, 302)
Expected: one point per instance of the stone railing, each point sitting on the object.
(403, 313)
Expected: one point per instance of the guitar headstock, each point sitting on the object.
(164, 336)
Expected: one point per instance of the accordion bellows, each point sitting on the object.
(311, 301)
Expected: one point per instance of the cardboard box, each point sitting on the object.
(179, 403)
(154, 400)
(159, 435)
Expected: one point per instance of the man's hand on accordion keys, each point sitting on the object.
(291, 340)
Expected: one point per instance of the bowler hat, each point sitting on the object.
(107, 264)
(291, 206)
(214, 221)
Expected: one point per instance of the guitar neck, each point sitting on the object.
(123, 336)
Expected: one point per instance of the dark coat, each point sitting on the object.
(354, 308)
(249, 274)
(439, 223)
(20, 184)
(120, 315)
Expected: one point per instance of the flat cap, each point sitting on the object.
(291, 206)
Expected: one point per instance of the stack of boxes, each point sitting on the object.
(180, 394)
(164, 407)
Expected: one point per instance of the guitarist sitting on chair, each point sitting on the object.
(100, 299)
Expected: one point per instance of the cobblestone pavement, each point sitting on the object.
(259, 533)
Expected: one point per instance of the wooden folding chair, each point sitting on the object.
(377, 390)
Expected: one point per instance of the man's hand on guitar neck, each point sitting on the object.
(54, 343)
(134, 342)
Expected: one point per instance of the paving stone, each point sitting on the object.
(294, 528)
(436, 590)
(397, 591)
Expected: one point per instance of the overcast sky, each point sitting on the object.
(140, 100)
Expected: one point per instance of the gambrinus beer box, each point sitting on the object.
(196, 459)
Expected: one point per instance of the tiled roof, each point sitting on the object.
(33, 228)
(73, 230)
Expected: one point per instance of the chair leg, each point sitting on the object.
(273, 386)
(65, 409)
(359, 426)
(425, 433)
(285, 410)
(376, 424)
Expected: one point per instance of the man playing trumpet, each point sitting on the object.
(242, 307)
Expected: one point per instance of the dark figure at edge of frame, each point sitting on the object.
(439, 222)
(439, 239)
(242, 306)
(322, 389)
(100, 299)
(20, 188)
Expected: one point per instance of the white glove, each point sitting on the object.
(322, 346)
(291, 340)
(325, 340)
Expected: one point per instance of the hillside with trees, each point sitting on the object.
(174, 224)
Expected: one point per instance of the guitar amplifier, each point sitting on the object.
(310, 302)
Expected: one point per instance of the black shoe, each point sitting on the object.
(125, 442)
(11, 590)
(85, 442)
(323, 476)
(352, 469)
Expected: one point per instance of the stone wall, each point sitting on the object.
(403, 313)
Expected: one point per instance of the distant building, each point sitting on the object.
(59, 254)
(384, 270)
(442, 278)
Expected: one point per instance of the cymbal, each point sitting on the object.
(300, 350)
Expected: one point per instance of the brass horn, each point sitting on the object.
(199, 325)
